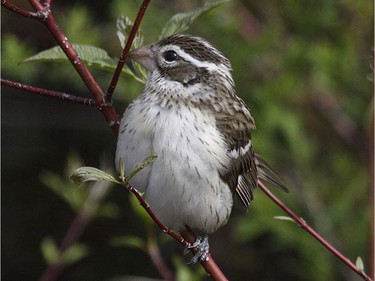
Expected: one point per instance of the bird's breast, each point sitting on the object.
(183, 185)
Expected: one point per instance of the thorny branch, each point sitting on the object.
(103, 102)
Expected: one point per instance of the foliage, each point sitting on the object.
(52, 254)
(302, 68)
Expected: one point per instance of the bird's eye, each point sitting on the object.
(170, 55)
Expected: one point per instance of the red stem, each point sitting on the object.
(72, 235)
(312, 232)
(48, 93)
(147, 208)
(154, 253)
(44, 14)
(126, 50)
(187, 238)
(210, 266)
(20, 11)
(106, 109)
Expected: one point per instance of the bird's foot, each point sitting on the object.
(200, 249)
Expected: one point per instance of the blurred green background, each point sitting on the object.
(303, 68)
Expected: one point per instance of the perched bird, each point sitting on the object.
(190, 117)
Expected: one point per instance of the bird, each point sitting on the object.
(191, 119)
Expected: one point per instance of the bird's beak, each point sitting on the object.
(144, 56)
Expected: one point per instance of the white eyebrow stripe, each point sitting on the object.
(209, 65)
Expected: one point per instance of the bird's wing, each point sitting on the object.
(266, 173)
(245, 167)
(241, 173)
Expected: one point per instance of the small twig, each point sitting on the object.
(108, 111)
(125, 51)
(313, 233)
(47, 18)
(186, 240)
(154, 253)
(147, 208)
(85, 215)
(44, 14)
(20, 11)
(73, 234)
(43, 10)
(48, 93)
(210, 266)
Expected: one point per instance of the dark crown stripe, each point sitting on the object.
(197, 48)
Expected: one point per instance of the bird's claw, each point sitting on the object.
(200, 249)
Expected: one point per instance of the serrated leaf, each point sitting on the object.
(359, 264)
(182, 21)
(49, 251)
(141, 166)
(285, 218)
(124, 26)
(87, 53)
(130, 241)
(92, 56)
(74, 253)
(84, 174)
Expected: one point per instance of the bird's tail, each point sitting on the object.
(266, 173)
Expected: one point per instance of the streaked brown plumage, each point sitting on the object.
(191, 118)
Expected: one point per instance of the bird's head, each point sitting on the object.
(184, 60)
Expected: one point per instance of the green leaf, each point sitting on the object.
(359, 264)
(182, 21)
(50, 251)
(124, 26)
(89, 54)
(141, 166)
(64, 188)
(84, 174)
(52, 255)
(285, 218)
(74, 253)
(92, 56)
(129, 241)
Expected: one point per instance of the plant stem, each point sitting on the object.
(154, 253)
(186, 239)
(19, 11)
(312, 232)
(105, 108)
(125, 51)
(48, 93)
